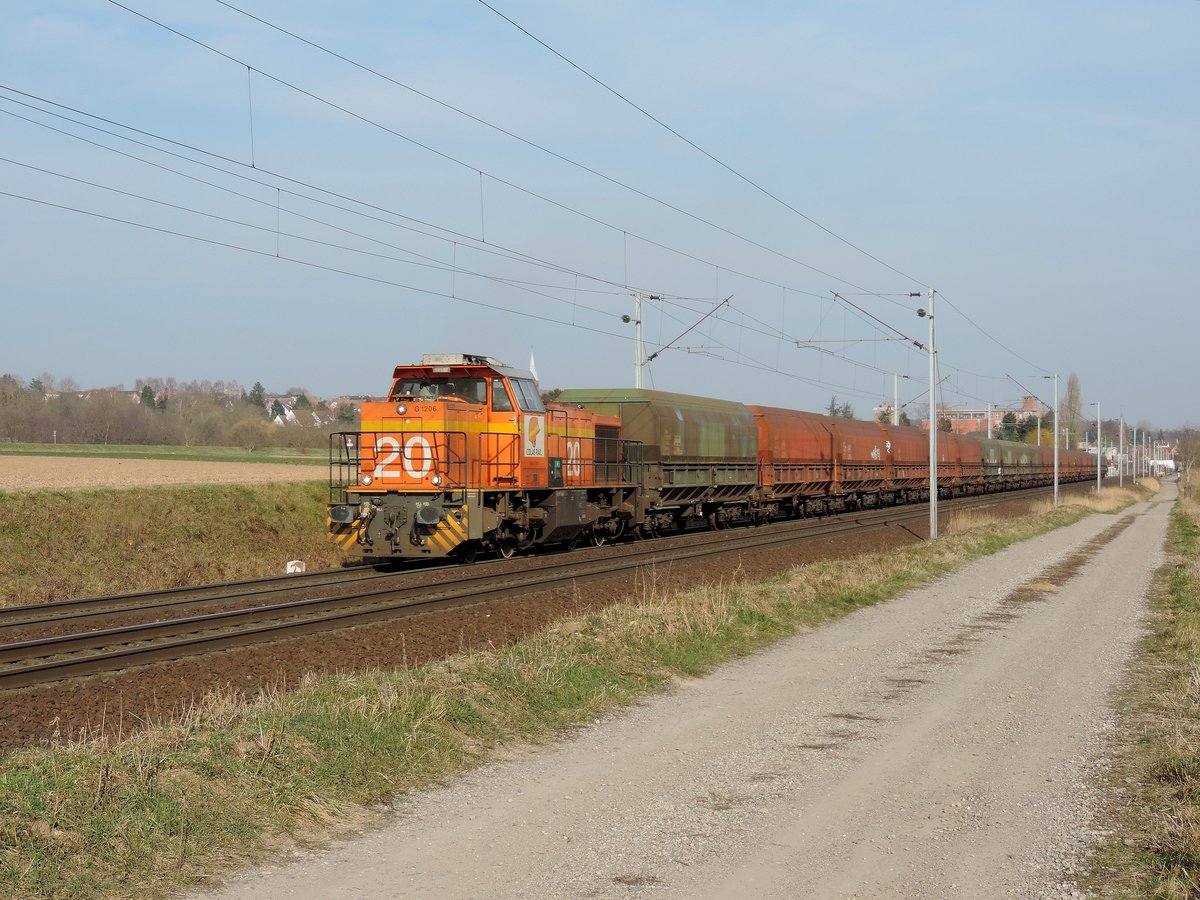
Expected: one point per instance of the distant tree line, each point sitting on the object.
(163, 411)
(839, 410)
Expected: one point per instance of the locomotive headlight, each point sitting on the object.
(342, 513)
(366, 479)
(435, 480)
(401, 409)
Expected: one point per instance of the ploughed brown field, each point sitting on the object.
(35, 473)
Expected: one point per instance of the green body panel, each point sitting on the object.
(1009, 457)
(682, 427)
(699, 449)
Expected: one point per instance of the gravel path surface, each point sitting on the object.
(65, 473)
(944, 744)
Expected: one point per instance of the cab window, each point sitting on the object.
(501, 402)
(473, 390)
(527, 395)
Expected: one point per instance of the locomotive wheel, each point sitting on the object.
(507, 548)
(468, 551)
(599, 539)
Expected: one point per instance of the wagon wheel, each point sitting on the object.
(468, 551)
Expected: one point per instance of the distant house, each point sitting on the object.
(975, 421)
(103, 393)
(289, 409)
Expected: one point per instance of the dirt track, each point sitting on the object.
(34, 473)
(945, 744)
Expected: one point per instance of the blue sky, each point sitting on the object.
(1034, 162)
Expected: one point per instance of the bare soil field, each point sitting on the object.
(39, 473)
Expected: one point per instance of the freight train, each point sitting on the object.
(464, 457)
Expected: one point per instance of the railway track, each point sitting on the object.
(374, 596)
(85, 609)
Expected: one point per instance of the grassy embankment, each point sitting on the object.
(176, 805)
(1153, 797)
(303, 457)
(59, 544)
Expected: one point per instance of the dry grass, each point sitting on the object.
(57, 545)
(1109, 500)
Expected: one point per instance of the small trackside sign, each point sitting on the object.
(535, 436)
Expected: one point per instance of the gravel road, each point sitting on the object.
(945, 744)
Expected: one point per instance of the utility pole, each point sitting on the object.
(989, 421)
(1055, 438)
(1121, 455)
(895, 398)
(1099, 448)
(639, 352)
(933, 415)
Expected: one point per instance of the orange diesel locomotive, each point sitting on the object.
(464, 456)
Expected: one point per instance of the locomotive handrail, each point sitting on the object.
(476, 460)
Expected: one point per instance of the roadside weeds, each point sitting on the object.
(180, 804)
(1151, 822)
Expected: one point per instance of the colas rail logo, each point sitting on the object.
(535, 436)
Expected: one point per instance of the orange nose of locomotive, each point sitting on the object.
(409, 474)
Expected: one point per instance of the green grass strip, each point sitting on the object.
(178, 805)
(1153, 799)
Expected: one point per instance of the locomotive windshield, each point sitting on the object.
(473, 390)
(528, 396)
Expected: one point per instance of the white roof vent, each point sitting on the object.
(458, 359)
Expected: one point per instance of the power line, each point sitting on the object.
(470, 241)
(525, 257)
(754, 184)
(461, 238)
(990, 337)
(500, 129)
(773, 333)
(758, 187)
(742, 361)
(474, 168)
(433, 264)
(310, 264)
